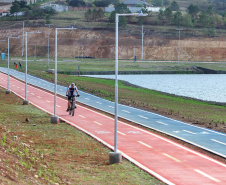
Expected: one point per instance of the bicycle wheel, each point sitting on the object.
(73, 110)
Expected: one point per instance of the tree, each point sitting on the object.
(15, 8)
(204, 20)
(88, 15)
(76, 3)
(177, 18)
(193, 10)
(168, 14)
(102, 3)
(187, 20)
(160, 2)
(161, 15)
(119, 8)
(100, 13)
(174, 6)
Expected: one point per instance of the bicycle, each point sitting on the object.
(72, 105)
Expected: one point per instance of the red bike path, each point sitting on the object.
(168, 161)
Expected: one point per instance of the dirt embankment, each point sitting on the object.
(101, 43)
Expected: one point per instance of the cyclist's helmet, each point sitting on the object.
(73, 84)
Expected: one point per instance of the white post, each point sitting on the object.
(179, 45)
(54, 118)
(116, 81)
(23, 41)
(8, 91)
(8, 68)
(26, 102)
(48, 46)
(142, 42)
(116, 157)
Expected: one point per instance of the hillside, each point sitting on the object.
(95, 42)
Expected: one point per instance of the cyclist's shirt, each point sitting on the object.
(71, 91)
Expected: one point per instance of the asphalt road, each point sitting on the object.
(207, 139)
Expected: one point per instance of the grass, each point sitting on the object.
(50, 154)
(101, 64)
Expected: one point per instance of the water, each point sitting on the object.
(209, 87)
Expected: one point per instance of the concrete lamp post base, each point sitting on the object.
(115, 157)
(7, 92)
(25, 102)
(54, 119)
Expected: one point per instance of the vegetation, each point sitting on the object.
(34, 151)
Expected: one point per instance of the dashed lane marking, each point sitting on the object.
(48, 101)
(144, 144)
(126, 111)
(218, 141)
(121, 133)
(82, 116)
(161, 123)
(97, 123)
(38, 96)
(98, 102)
(189, 132)
(171, 157)
(87, 98)
(142, 117)
(32, 93)
(58, 106)
(206, 175)
(111, 106)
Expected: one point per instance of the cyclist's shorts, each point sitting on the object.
(69, 98)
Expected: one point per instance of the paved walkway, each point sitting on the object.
(168, 161)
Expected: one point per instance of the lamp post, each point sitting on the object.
(8, 91)
(179, 45)
(142, 47)
(48, 44)
(116, 157)
(26, 102)
(54, 118)
(23, 41)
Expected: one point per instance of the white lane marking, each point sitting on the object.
(48, 101)
(27, 91)
(189, 132)
(23, 89)
(142, 117)
(171, 157)
(18, 87)
(206, 175)
(126, 111)
(97, 123)
(98, 102)
(144, 144)
(58, 106)
(82, 116)
(87, 98)
(161, 123)
(111, 106)
(121, 133)
(13, 85)
(218, 141)
(38, 96)
(32, 93)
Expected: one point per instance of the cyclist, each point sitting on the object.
(71, 92)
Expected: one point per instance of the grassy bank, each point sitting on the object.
(38, 152)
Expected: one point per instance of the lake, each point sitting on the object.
(208, 87)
